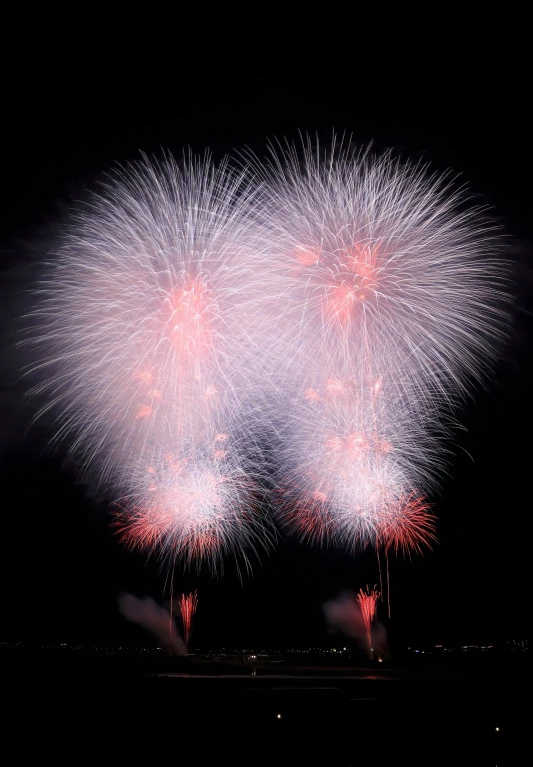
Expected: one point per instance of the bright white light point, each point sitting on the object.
(278, 716)
(497, 729)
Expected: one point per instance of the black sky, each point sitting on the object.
(61, 568)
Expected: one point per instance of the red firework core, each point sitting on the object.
(188, 308)
(355, 282)
(362, 260)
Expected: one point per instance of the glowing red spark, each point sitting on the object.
(334, 443)
(334, 386)
(368, 602)
(188, 604)
(307, 257)
(307, 515)
(144, 412)
(362, 260)
(407, 524)
(341, 302)
(145, 376)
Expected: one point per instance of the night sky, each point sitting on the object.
(61, 567)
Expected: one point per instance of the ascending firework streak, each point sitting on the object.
(367, 602)
(188, 604)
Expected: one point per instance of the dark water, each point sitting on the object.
(296, 716)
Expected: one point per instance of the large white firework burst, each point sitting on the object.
(146, 328)
(389, 298)
(381, 260)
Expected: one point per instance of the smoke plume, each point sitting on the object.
(344, 614)
(146, 613)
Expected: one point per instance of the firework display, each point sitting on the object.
(188, 604)
(387, 298)
(147, 331)
(329, 308)
(367, 601)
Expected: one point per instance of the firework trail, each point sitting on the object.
(388, 301)
(367, 601)
(188, 604)
(147, 332)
